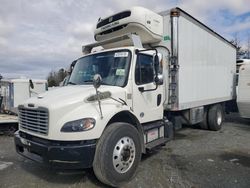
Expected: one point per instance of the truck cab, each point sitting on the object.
(63, 127)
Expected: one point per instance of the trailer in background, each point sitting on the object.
(8, 123)
(16, 91)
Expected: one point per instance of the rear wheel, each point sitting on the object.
(215, 117)
(204, 123)
(118, 154)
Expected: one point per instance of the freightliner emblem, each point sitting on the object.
(110, 19)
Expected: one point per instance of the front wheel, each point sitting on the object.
(118, 154)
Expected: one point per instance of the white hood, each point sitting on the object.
(70, 103)
(71, 95)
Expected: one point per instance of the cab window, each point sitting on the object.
(144, 72)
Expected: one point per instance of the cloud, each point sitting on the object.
(80, 30)
(5, 28)
(201, 8)
(239, 26)
(38, 36)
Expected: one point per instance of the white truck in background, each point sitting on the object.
(239, 63)
(156, 71)
(15, 91)
(243, 94)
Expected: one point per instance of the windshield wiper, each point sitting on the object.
(104, 83)
(120, 100)
(71, 83)
(89, 81)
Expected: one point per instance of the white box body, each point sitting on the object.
(206, 61)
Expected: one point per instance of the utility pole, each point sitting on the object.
(1, 98)
(248, 45)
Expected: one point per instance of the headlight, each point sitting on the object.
(79, 125)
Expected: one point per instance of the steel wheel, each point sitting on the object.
(118, 154)
(123, 154)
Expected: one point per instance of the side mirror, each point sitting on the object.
(158, 78)
(97, 81)
(156, 63)
(72, 65)
(31, 84)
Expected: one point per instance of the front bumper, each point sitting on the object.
(58, 154)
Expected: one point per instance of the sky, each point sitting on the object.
(39, 36)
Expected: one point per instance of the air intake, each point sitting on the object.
(34, 119)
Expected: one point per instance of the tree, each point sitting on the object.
(236, 42)
(61, 75)
(54, 78)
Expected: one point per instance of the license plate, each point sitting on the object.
(152, 135)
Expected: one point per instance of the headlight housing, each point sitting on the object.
(79, 125)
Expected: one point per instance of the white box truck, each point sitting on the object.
(15, 91)
(243, 96)
(156, 71)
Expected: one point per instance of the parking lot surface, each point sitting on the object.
(195, 158)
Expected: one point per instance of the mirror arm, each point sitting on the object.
(99, 102)
(141, 89)
(97, 83)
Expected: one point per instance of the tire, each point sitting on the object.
(204, 123)
(215, 117)
(118, 154)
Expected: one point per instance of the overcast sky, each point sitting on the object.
(37, 36)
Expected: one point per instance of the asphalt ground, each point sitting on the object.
(195, 158)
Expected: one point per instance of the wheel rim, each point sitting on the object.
(219, 117)
(124, 154)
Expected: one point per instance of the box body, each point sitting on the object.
(205, 64)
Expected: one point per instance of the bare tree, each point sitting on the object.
(236, 41)
(55, 77)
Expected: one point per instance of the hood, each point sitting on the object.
(71, 95)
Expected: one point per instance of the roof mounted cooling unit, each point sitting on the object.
(143, 22)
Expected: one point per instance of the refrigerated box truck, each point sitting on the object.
(156, 71)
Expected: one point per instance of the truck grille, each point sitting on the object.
(34, 120)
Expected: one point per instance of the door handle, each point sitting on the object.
(158, 99)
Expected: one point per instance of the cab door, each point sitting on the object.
(147, 96)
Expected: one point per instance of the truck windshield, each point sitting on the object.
(113, 67)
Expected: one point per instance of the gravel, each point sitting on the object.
(195, 158)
